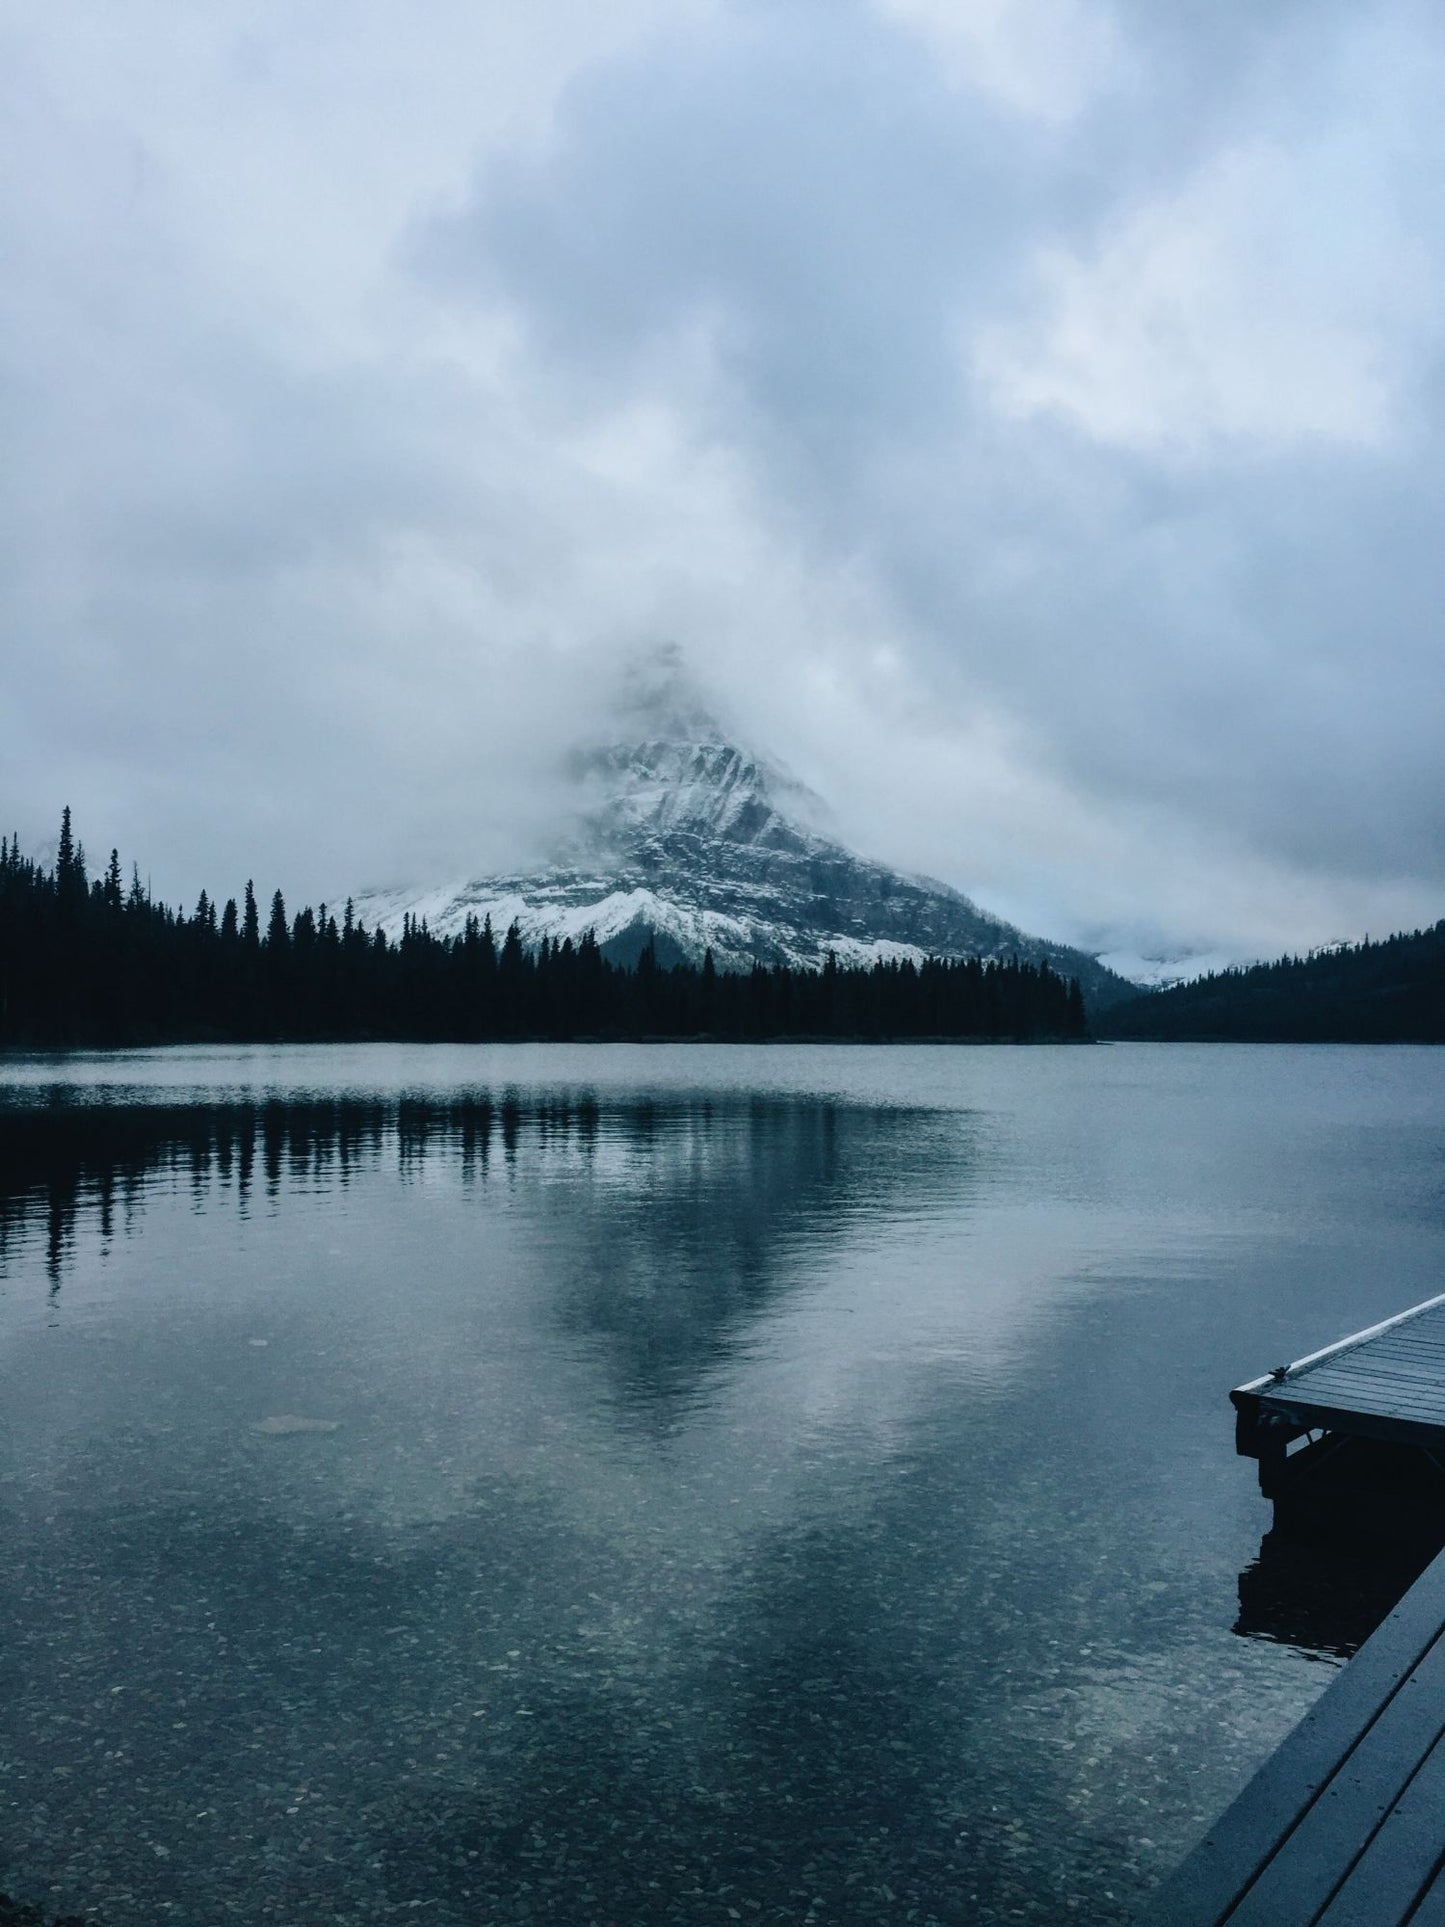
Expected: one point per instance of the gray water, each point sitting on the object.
(783, 1484)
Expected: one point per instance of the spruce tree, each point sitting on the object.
(278, 931)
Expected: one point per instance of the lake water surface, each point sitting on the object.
(666, 1484)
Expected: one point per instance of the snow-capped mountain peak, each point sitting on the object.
(684, 837)
(694, 786)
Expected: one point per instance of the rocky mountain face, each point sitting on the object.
(686, 840)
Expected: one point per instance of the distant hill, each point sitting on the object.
(1391, 992)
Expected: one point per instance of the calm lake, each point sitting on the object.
(666, 1484)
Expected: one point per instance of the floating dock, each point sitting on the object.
(1355, 1434)
(1344, 1826)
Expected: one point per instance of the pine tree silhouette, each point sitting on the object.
(278, 934)
(79, 965)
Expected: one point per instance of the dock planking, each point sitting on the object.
(1344, 1826)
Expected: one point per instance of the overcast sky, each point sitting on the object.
(1024, 414)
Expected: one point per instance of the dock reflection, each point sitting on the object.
(1325, 1593)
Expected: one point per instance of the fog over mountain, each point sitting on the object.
(1023, 415)
(683, 839)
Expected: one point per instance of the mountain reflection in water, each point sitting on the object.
(671, 1223)
(578, 1500)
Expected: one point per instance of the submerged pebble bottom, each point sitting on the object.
(668, 1507)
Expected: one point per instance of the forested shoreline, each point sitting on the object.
(1391, 991)
(95, 962)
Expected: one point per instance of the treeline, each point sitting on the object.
(1390, 992)
(96, 962)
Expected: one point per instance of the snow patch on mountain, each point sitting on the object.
(1162, 973)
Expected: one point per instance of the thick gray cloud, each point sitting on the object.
(1024, 413)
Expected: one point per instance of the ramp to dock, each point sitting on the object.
(1344, 1826)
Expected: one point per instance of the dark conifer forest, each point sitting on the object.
(94, 961)
(1389, 992)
